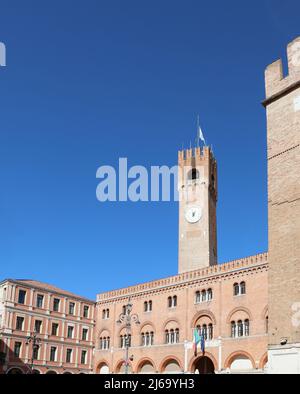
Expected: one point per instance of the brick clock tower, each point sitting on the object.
(283, 136)
(197, 185)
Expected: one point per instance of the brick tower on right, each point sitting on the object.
(282, 105)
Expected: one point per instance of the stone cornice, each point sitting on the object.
(187, 278)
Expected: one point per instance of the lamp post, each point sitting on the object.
(35, 346)
(127, 318)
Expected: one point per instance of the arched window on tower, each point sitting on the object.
(193, 174)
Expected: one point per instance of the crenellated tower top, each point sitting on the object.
(276, 84)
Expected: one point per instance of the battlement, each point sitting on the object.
(188, 156)
(218, 271)
(275, 83)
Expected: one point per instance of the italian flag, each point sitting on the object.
(196, 340)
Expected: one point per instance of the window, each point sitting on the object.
(83, 357)
(71, 308)
(53, 353)
(84, 334)
(17, 349)
(233, 329)
(86, 311)
(19, 323)
(209, 294)
(172, 336)
(38, 326)
(203, 296)
(54, 329)
(35, 352)
(105, 313)
(147, 306)
(172, 301)
(240, 328)
(70, 331)
(125, 339)
(267, 324)
(193, 174)
(104, 343)
(39, 301)
(246, 328)
(236, 289)
(242, 288)
(206, 331)
(239, 288)
(56, 302)
(69, 356)
(147, 338)
(22, 295)
(124, 309)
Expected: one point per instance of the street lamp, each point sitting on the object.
(35, 346)
(127, 318)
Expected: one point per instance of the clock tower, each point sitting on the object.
(197, 185)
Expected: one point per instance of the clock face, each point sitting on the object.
(193, 214)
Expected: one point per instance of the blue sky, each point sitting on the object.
(87, 82)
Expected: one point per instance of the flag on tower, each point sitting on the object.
(200, 135)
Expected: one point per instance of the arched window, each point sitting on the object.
(151, 338)
(242, 288)
(197, 297)
(210, 331)
(236, 289)
(177, 335)
(233, 329)
(174, 301)
(167, 336)
(170, 302)
(143, 342)
(246, 328)
(204, 331)
(240, 328)
(150, 306)
(209, 294)
(193, 174)
(145, 306)
(267, 324)
(203, 295)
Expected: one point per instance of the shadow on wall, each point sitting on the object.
(10, 363)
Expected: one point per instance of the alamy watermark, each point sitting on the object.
(2, 55)
(137, 183)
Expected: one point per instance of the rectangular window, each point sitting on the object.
(84, 334)
(69, 356)
(38, 326)
(17, 349)
(83, 357)
(71, 308)
(35, 352)
(19, 323)
(56, 302)
(22, 295)
(53, 353)
(54, 329)
(86, 311)
(39, 301)
(70, 331)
